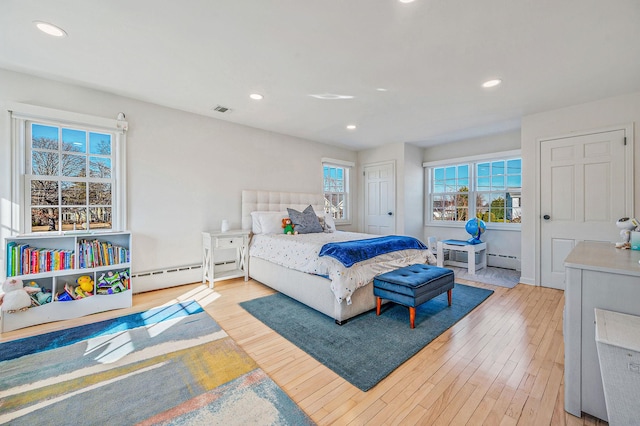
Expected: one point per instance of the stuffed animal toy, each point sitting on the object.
(288, 226)
(16, 297)
(86, 283)
(43, 296)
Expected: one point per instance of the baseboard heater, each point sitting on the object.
(503, 261)
(167, 277)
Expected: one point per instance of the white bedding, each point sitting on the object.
(300, 252)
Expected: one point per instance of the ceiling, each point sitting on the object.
(430, 56)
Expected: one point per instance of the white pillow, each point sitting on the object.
(267, 222)
(329, 223)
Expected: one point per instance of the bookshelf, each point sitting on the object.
(55, 262)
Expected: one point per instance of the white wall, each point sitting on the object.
(185, 171)
(413, 191)
(503, 246)
(476, 146)
(606, 113)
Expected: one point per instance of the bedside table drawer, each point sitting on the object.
(229, 242)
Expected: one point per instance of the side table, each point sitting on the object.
(471, 249)
(214, 245)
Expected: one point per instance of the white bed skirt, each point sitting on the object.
(312, 290)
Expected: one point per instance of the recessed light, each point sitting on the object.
(351, 127)
(256, 96)
(491, 83)
(381, 89)
(50, 29)
(406, 1)
(330, 96)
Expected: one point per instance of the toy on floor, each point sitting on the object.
(16, 297)
(288, 226)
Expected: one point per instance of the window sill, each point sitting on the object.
(490, 226)
(347, 223)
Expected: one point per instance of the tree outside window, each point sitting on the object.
(70, 178)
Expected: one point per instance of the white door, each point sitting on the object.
(379, 199)
(583, 191)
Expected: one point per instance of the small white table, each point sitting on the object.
(471, 250)
(214, 244)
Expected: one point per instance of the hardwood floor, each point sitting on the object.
(500, 365)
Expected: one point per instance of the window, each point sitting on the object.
(450, 193)
(499, 190)
(70, 176)
(494, 186)
(336, 189)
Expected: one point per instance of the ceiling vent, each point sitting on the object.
(222, 109)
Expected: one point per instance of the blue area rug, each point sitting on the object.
(171, 365)
(367, 348)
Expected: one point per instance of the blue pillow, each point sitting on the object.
(306, 222)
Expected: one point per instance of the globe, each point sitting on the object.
(475, 227)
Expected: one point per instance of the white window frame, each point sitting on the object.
(472, 161)
(346, 166)
(21, 117)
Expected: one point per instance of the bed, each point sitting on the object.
(320, 282)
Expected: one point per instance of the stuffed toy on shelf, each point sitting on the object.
(15, 296)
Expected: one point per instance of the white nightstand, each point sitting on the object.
(224, 255)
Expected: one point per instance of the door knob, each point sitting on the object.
(390, 213)
(546, 217)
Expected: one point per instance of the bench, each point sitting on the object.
(412, 285)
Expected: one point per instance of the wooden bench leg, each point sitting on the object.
(378, 305)
(412, 316)
(449, 296)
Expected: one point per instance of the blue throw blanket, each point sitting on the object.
(351, 252)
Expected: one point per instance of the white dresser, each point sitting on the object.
(597, 276)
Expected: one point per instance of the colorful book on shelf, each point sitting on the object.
(9, 264)
(100, 253)
(23, 259)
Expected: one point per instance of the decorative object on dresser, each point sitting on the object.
(54, 263)
(224, 255)
(627, 226)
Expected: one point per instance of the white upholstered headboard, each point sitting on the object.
(272, 201)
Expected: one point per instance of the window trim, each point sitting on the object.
(472, 161)
(347, 166)
(20, 114)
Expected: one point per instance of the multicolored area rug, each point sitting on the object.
(172, 365)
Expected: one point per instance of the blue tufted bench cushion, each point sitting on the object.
(413, 285)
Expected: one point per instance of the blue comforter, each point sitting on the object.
(352, 252)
